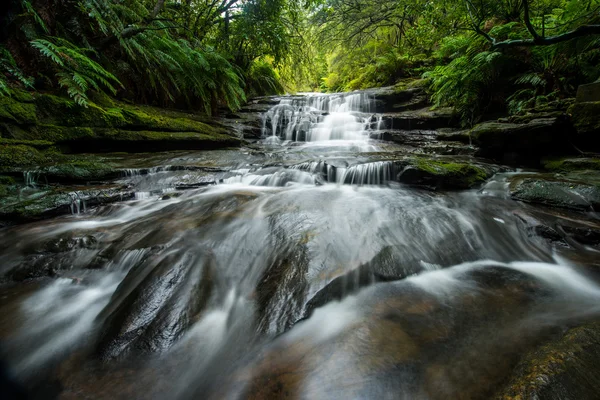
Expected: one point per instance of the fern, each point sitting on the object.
(10, 70)
(77, 72)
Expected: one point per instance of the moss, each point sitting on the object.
(138, 119)
(14, 111)
(38, 144)
(55, 110)
(571, 164)
(465, 173)
(586, 117)
(61, 134)
(13, 157)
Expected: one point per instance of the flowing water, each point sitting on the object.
(296, 268)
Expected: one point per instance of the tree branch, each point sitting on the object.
(584, 30)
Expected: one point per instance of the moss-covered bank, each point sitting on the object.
(46, 119)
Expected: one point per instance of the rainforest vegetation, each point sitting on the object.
(479, 56)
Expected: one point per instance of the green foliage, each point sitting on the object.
(77, 72)
(10, 70)
(263, 80)
(472, 82)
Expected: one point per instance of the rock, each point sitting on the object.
(586, 120)
(562, 194)
(566, 367)
(452, 135)
(24, 207)
(589, 92)
(402, 97)
(510, 142)
(424, 119)
(443, 175)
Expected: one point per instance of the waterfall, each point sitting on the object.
(320, 117)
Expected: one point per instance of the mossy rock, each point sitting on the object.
(79, 171)
(571, 164)
(443, 175)
(14, 111)
(564, 368)
(19, 156)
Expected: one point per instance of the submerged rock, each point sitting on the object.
(563, 368)
(155, 304)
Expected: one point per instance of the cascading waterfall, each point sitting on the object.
(303, 269)
(318, 118)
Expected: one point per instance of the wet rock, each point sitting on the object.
(23, 207)
(563, 194)
(511, 142)
(50, 259)
(155, 304)
(566, 367)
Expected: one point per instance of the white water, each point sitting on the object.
(321, 118)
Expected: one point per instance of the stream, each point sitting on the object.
(295, 267)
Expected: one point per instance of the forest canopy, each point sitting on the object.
(478, 56)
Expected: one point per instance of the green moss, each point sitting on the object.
(55, 110)
(22, 96)
(571, 164)
(14, 111)
(18, 156)
(586, 117)
(38, 144)
(61, 134)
